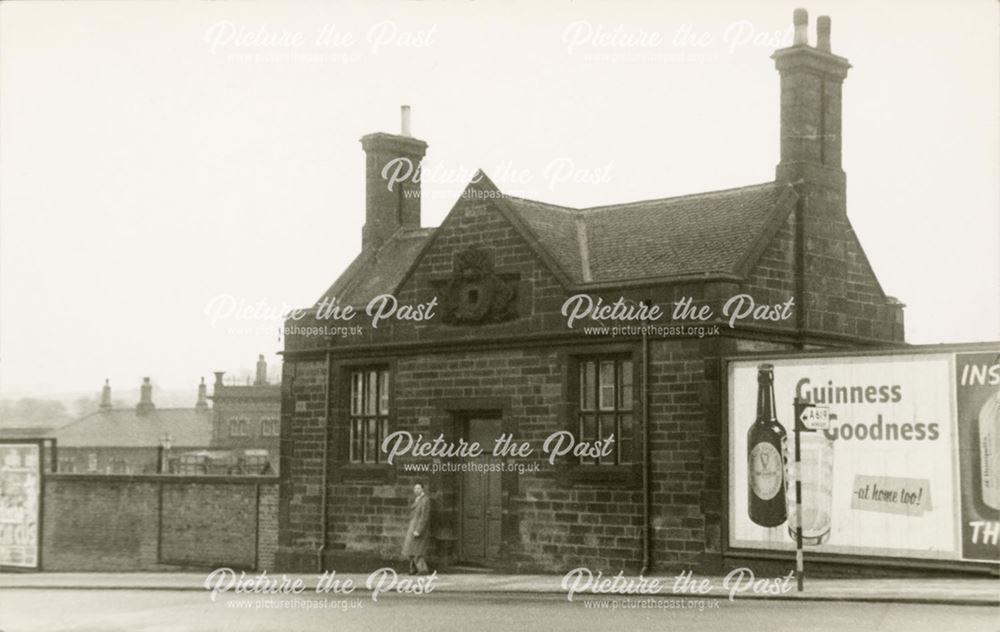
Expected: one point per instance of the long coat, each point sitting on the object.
(420, 517)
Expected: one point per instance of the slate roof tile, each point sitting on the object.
(127, 428)
(705, 234)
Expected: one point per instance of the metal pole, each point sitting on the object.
(799, 562)
(799, 408)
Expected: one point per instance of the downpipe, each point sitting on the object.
(324, 492)
(646, 513)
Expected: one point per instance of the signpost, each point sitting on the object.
(808, 418)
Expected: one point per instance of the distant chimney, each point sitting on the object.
(218, 379)
(106, 395)
(261, 379)
(145, 404)
(392, 183)
(202, 402)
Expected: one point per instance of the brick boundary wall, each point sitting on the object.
(98, 522)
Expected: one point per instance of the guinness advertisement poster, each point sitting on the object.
(499, 315)
(905, 469)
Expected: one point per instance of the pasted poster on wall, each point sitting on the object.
(883, 479)
(20, 487)
(977, 404)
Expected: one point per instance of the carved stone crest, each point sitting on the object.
(476, 293)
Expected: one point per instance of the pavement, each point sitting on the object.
(950, 591)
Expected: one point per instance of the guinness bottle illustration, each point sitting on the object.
(766, 456)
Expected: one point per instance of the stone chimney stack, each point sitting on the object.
(202, 403)
(261, 379)
(145, 404)
(392, 183)
(106, 395)
(219, 385)
(811, 80)
(826, 252)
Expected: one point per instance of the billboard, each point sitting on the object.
(20, 491)
(977, 404)
(903, 465)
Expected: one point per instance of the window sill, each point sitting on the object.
(609, 475)
(368, 472)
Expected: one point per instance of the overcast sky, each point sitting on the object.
(157, 159)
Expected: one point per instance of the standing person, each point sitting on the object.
(417, 538)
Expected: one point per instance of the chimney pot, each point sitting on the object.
(800, 18)
(145, 397)
(823, 33)
(261, 379)
(202, 402)
(106, 395)
(405, 114)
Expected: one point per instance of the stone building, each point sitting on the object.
(493, 354)
(246, 421)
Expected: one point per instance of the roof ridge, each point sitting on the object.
(688, 196)
(554, 207)
(156, 409)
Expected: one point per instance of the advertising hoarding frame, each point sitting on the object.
(746, 553)
(42, 475)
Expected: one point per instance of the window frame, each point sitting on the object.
(339, 416)
(369, 411)
(570, 472)
(270, 427)
(600, 411)
(238, 426)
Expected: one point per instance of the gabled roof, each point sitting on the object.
(126, 428)
(713, 234)
(719, 234)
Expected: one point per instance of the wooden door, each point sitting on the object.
(481, 495)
